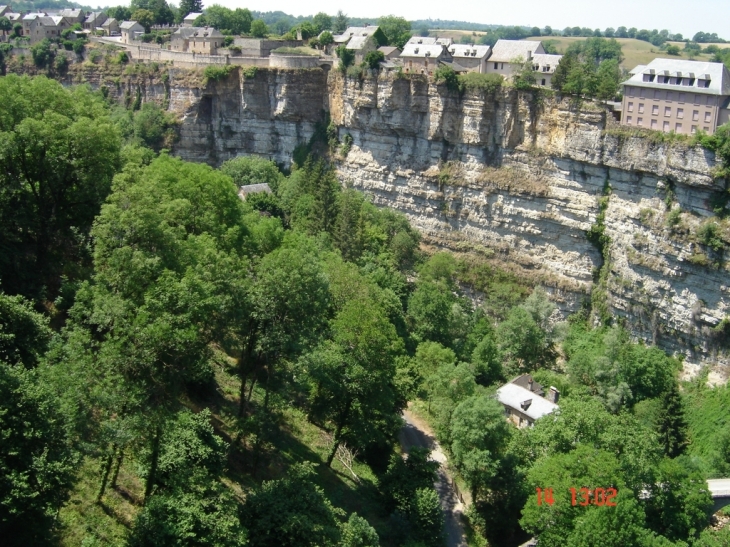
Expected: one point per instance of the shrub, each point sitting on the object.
(122, 57)
(672, 50)
(709, 234)
(249, 72)
(61, 63)
(235, 49)
(373, 59)
(482, 82)
(78, 46)
(68, 45)
(446, 75)
(355, 72)
(346, 145)
(346, 56)
(326, 38)
(95, 55)
(42, 53)
(216, 72)
(228, 40)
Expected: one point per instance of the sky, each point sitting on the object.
(684, 16)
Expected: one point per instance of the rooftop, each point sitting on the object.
(253, 189)
(70, 13)
(109, 22)
(466, 50)
(387, 50)
(126, 25)
(430, 40)
(192, 16)
(506, 51)
(528, 383)
(355, 37)
(419, 50)
(525, 401)
(546, 60)
(682, 75)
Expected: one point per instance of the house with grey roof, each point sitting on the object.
(420, 59)
(677, 95)
(389, 52)
(205, 40)
(4, 9)
(544, 65)
(361, 40)
(430, 40)
(46, 26)
(249, 189)
(507, 56)
(525, 401)
(72, 15)
(131, 30)
(190, 18)
(472, 58)
(94, 20)
(110, 27)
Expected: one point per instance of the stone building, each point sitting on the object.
(190, 18)
(544, 65)
(472, 58)
(389, 52)
(506, 54)
(525, 401)
(430, 41)
(94, 20)
(204, 40)
(361, 40)
(110, 27)
(73, 16)
(131, 30)
(677, 95)
(46, 26)
(420, 59)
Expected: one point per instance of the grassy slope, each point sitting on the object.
(108, 524)
(636, 52)
(707, 415)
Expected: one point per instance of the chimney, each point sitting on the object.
(529, 383)
(529, 55)
(554, 395)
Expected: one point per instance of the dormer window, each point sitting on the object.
(415, 50)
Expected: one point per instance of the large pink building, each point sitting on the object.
(677, 95)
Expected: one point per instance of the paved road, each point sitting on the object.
(415, 433)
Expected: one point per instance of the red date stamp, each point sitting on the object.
(581, 496)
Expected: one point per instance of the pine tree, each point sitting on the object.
(190, 6)
(671, 423)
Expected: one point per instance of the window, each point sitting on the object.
(631, 107)
(708, 115)
(643, 93)
(502, 66)
(653, 124)
(641, 108)
(543, 81)
(628, 120)
(706, 129)
(655, 110)
(665, 126)
(694, 129)
(639, 121)
(697, 99)
(496, 66)
(695, 115)
(680, 113)
(656, 94)
(678, 127)
(682, 97)
(667, 111)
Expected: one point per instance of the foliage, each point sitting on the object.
(42, 54)
(446, 75)
(396, 29)
(236, 21)
(154, 127)
(245, 170)
(24, 333)
(144, 17)
(216, 72)
(671, 423)
(346, 56)
(37, 461)
(590, 67)
(525, 77)
(356, 532)
(473, 81)
(259, 29)
(373, 59)
(57, 163)
(326, 38)
(291, 512)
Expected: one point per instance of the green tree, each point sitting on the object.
(446, 388)
(190, 6)
(42, 54)
(522, 343)
(486, 361)
(352, 376)
(373, 59)
(144, 17)
(429, 313)
(259, 29)
(671, 423)
(356, 532)
(37, 460)
(340, 23)
(245, 170)
(5, 25)
(326, 38)
(24, 333)
(291, 512)
(397, 30)
(56, 166)
(154, 127)
(479, 437)
(322, 21)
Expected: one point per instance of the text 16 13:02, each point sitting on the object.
(581, 496)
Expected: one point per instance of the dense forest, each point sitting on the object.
(179, 366)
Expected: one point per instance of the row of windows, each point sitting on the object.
(658, 94)
(668, 112)
(673, 80)
(666, 126)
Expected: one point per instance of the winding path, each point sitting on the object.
(416, 433)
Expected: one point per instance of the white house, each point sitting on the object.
(506, 53)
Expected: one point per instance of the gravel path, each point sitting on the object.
(416, 433)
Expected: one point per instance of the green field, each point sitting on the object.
(636, 52)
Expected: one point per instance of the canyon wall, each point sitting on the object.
(515, 177)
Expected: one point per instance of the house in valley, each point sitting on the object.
(677, 95)
(525, 401)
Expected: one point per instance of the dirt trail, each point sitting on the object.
(416, 433)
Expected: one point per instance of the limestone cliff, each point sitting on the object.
(513, 176)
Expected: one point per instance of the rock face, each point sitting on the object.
(515, 177)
